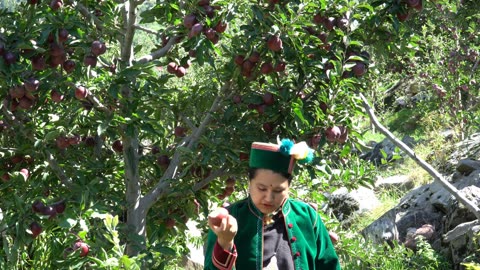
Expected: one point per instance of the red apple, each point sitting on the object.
(59, 207)
(274, 43)
(237, 99)
(163, 161)
(5, 177)
(17, 91)
(247, 66)
(332, 133)
(32, 84)
(268, 127)
(9, 58)
(62, 35)
(239, 59)
(266, 68)
(217, 215)
(230, 182)
(56, 96)
(81, 92)
(69, 66)
(39, 62)
(84, 249)
(359, 69)
(90, 60)
(98, 48)
(268, 98)
(25, 173)
(172, 68)
(56, 4)
(195, 30)
(254, 57)
(329, 23)
(179, 131)
(25, 103)
(221, 27)
(280, 66)
(170, 223)
(189, 21)
(38, 206)
(180, 72)
(117, 146)
(35, 228)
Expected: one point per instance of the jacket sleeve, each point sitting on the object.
(326, 256)
(216, 257)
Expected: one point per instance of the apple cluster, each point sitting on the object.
(51, 211)
(249, 64)
(62, 142)
(8, 166)
(193, 22)
(23, 96)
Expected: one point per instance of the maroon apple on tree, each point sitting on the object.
(98, 48)
(90, 60)
(274, 43)
(179, 131)
(56, 4)
(189, 21)
(63, 35)
(9, 57)
(237, 99)
(332, 133)
(38, 206)
(359, 69)
(266, 68)
(82, 246)
(172, 68)
(36, 229)
(239, 59)
(81, 92)
(69, 66)
(195, 30)
(31, 84)
(56, 96)
(163, 161)
(268, 98)
(221, 27)
(117, 146)
(180, 72)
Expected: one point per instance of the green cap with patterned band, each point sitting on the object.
(268, 156)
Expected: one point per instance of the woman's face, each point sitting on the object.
(268, 190)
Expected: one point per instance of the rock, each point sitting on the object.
(387, 148)
(345, 204)
(396, 182)
(467, 166)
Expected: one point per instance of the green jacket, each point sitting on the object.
(309, 240)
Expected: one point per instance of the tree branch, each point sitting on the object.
(147, 30)
(84, 11)
(162, 187)
(427, 167)
(129, 27)
(158, 53)
(211, 177)
(57, 170)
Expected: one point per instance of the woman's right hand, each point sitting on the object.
(224, 226)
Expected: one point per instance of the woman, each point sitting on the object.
(268, 230)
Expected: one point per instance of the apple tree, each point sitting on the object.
(122, 120)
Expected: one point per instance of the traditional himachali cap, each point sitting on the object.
(280, 157)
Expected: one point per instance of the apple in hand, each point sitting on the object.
(217, 215)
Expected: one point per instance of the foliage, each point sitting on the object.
(359, 254)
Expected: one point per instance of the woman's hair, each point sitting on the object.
(252, 172)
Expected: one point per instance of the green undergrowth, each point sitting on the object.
(430, 145)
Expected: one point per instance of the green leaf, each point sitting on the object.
(67, 223)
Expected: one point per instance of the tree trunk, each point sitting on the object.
(136, 210)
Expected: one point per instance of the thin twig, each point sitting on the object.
(158, 53)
